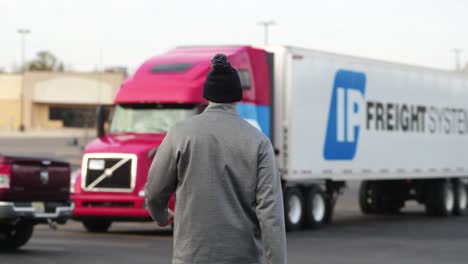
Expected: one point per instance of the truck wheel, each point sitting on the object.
(294, 208)
(392, 206)
(366, 197)
(316, 207)
(439, 198)
(97, 226)
(15, 236)
(370, 197)
(461, 198)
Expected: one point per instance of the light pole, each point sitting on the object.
(23, 33)
(457, 53)
(266, 24)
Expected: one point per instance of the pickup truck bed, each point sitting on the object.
(32, 191)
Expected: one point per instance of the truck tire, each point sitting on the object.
(391, 206)
(97, 226)
(293, 208)
(439, 198)
(14, 236)
(317, 207)
(370, 198)
(366, 198)
(461, 198)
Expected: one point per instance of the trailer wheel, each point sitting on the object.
(294, 208)
(97, 226)
(439, 198)
(366, 197)
(392, 206)
(370, 198)
(15, 236)
(461, 198)
(316, 207)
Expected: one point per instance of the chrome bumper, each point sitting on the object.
(8, 210)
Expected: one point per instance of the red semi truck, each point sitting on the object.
(332, 118)
(164, 90)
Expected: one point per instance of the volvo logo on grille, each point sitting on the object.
(44, 177)
(108, 172)
(103, 177)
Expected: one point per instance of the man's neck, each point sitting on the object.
(228, 107)
(219, 104)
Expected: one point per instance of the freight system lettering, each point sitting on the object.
(350, 112)
(415, 118)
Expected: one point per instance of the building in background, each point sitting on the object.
(10, 93)
(52, 100)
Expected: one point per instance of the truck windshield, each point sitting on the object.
(149, 118)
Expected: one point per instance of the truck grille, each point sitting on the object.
(109, 172)
(108, 204)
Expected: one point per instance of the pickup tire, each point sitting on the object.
(14, 236)
(293, 208)
(97, 226)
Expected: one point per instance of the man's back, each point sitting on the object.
(229, 207)
(216, 195)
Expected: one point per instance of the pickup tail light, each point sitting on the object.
(5, 171)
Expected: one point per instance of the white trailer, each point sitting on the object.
(401, 129)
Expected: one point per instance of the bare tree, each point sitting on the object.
(45, 61)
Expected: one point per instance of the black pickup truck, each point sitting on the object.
(32, 191)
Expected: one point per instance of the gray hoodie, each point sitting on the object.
(229, 207)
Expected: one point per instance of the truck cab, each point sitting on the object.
(166, 89)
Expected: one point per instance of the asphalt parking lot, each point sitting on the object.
(353, 238)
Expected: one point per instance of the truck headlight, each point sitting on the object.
(4, 181)
(74, 175)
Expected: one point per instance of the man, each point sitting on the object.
(229, 207)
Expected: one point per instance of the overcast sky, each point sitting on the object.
(128, 32)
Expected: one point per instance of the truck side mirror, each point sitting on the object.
(102, 119)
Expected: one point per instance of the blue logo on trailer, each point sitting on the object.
(345, 116)
(256, 115)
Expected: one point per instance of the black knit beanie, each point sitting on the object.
(222, 85)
